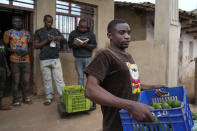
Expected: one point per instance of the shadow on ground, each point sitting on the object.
(38, 117)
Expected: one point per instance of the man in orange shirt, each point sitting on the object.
(17, 43)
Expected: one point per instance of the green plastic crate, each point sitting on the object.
(74, 99)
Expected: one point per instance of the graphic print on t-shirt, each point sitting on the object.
(135, 81)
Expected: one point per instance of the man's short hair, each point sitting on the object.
(17, 17)
(113, 23)
(47, 16)
(83, 21)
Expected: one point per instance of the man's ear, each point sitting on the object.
(109, 35)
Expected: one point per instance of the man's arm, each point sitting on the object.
(60, 37)
(158, 92)
(38, 44)
(152, 87)
(96, 93)
(6, 40)
(71, 41)
(92, 44)
(7, 67)
(30, 44)
(8, 48)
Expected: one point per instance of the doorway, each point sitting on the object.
(6, 15)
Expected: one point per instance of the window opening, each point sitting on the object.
(68, 15)
(18, 4)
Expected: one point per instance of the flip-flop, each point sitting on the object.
(47, 102)
(16, 104)
(27, 101)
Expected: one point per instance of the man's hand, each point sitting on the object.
(141, 112)
(58, 38)
(83, 44)
(20, 52)
(160, 86)
(159, 92)
(78, 42)
(51, 38)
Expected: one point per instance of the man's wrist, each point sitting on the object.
(127, 104)
(47, 40)
(58, 38)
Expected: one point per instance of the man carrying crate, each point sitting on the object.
(113, 80)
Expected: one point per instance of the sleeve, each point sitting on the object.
(29, 37)
(36, 36)
(70, 41)
(99, 67)
(6, 37)
(58, 33)
(92, 44)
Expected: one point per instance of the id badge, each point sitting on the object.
(53, 44)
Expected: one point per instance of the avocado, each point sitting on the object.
(152, 108)
(176, 103)
(169, 101)
(165, 105)
(153, 104)
(157, 106)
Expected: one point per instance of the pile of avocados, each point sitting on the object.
(166, 105)
(169, 104)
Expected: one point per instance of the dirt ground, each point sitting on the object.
(38, 117)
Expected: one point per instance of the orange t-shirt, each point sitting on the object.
(17, 40)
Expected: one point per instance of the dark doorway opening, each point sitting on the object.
(6, 15)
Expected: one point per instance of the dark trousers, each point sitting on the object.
(20, 75)
(2, 83)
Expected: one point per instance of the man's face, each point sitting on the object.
(82, 27)
(17, 23)
(120, 35)
(48, 22)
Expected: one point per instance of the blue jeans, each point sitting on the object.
(48, 68)
(80, 65)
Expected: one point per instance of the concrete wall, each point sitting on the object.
(187, 67)
(150, 26)
(148, 54)
(136, 21)
(104, 14)
(150, 58)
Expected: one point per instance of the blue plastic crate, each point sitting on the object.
(176, 119)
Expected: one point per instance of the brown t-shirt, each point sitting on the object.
(110, 66)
